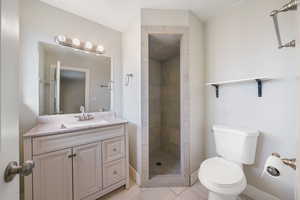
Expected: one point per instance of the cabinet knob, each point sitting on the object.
(115, 172)
(114, 149)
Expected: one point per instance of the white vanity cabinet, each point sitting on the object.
(87, 170)
(52, 177)
(77, 165)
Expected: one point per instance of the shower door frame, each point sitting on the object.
(183, 179)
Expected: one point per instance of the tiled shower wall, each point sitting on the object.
(164, 106)
(154, 105)
(170, 106)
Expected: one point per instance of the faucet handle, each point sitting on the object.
(276, 154)
(82, 109)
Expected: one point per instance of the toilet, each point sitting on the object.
(223, 176)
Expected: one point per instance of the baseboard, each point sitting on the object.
(134, 175)
(194, 177)
(258, 194)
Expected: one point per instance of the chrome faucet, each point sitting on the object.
(82, 110)
(84, 116)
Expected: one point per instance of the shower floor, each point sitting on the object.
(163, 163)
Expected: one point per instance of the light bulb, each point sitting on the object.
(100, 49)
(88, 45)
(61, 39)
(76, 42)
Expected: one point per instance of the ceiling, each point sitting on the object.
(162, 47)
(118, 13)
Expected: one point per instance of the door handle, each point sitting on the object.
(13, 168)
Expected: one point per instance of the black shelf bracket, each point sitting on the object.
(217, 90)
(259, 87)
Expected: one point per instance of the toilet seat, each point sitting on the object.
(222, 176)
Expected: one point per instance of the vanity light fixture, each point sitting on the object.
(60, 38)
(76, 44)
(100, 49)
(88, 46)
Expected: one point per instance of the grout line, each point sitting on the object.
(172, 191)
(178, 194)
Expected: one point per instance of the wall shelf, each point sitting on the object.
(258, 80)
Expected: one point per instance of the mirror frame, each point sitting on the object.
(112, 79)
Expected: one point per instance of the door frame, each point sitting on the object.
(87, 81)
(184, 178)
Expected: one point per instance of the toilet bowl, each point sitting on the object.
(223, 176)
(225, 180)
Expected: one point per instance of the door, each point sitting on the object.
(52, 91)
(297, 188)
(87, 170)
(52, 177)
(9, 92)
(57, 88)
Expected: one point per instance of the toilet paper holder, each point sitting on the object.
(289, 162)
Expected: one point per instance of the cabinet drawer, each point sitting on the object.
(113, 172)
(57, 142)
(113, 149)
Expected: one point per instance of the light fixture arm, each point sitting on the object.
(79, 45)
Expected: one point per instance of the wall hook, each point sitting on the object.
(127, 78)
(217, 90)
(259, 87)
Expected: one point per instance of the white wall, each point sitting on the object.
(131, 54)
(197, 91)
(40, 23)
(241, 43)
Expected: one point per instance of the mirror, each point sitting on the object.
(70, 78)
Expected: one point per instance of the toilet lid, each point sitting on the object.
(221, 172)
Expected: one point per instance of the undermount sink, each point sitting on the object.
(84, 123)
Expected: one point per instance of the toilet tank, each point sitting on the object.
(238, 145)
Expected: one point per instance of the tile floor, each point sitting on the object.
(196, 192)
(169, 163)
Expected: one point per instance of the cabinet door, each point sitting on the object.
(87, 170)
(52, 176)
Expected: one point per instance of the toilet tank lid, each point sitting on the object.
(242, 131)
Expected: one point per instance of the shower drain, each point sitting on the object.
(158, 163)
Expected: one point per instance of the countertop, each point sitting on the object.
(52, 125)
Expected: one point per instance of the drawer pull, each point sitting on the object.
(114, 149)
(72, 155)
(115, 172)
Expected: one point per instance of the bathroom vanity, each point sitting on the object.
(76, 160)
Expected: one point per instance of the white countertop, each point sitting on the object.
(52, 124)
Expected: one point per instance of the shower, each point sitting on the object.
(164, 104)
(165, 107)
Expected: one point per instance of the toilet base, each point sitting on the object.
(216, 196)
